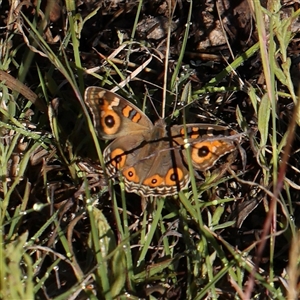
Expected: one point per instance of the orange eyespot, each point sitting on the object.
(173, 176)
(118, 158)
(153, 181)
(110, 121)
(201, 152)
(131, 175)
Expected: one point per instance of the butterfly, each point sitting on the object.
(152, 158)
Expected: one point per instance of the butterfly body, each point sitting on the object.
(151, 158)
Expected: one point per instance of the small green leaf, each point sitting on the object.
(263, 119)
(253, 97)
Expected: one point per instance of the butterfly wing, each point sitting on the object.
(148, 165)
(208, 143)
(114, 116)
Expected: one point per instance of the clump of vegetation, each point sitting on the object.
(69, 231)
